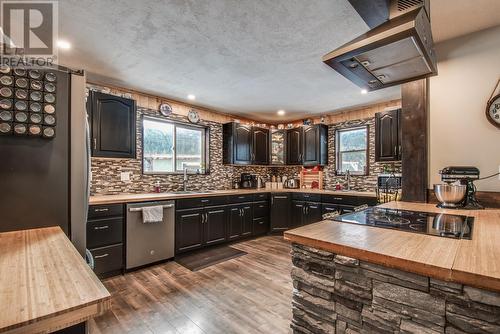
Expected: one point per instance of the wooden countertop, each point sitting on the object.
(45, 284)
(473, 262)
(130, 198)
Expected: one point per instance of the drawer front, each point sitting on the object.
(240, 198)
(261, 209)
(104, 232)
(189, 203)
(108, 258)
(199, 202)
(213, 201)
(340, 199)
(103, 211)
(307, 197)
(261, 197)
(260, 226)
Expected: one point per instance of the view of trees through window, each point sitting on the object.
(351, 148)
(171, 147)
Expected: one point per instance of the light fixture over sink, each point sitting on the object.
(397, 51)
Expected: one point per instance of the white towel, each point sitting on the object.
(152, 214)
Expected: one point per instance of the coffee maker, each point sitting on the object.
(248, 181)
(466, 176)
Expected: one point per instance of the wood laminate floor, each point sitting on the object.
(249, 294)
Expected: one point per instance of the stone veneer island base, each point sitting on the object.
(338, 294)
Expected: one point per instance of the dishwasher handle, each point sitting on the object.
(168, 206)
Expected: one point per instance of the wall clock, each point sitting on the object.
(193, 116)
(493, 111)
(165, 109)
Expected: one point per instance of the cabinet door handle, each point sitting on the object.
(241, 197)
(338, 198)
(280, 197)
(101, 256)
(261, 222)
(101, 210)
(261, 206)
(204, 201)
(95, 143)
(104, 227)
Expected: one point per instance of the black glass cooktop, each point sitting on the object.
(439, 224)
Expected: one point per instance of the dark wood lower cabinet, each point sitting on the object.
(105, 238)
(240, 221)
(280, 212)
(235, 223)
(297, 214)
(189, 230)
(313, 213)
(304, 213)
(215, 225)
(251, 215)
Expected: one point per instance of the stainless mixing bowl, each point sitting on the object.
(450, 195)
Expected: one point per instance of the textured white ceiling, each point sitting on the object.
(245, 57)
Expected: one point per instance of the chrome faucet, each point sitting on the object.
(185, 179)
(348, 179)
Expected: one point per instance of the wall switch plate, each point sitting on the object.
(125, 176)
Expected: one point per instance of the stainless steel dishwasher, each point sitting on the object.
(152, 242)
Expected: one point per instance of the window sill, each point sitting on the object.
(173, 173)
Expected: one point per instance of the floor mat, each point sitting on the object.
(208, 257)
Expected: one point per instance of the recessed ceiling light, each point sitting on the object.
(191, 97)
(64, 45)
(364, 91)
(281, 112)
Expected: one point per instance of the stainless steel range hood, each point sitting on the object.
(398, 51)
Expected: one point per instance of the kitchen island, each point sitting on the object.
(352, 278)
(45, 284)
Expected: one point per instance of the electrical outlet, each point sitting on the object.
(125, 176)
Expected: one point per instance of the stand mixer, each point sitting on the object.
(465, 176)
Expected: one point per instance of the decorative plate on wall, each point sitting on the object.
(193, 116)
(165, 109)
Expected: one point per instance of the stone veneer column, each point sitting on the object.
(337, 294)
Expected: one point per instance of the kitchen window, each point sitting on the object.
(170, 147)
(352, 150)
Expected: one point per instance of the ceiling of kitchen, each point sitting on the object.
(244, 57)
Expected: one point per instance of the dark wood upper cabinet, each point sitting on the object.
(245, 145)
(260, 146)
(294, 146)
(315, 145)
(113, 123)
(388, 136)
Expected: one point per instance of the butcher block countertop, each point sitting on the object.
(45, 284)
(473, 262)
(130, 198)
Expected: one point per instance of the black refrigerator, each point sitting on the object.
(44, 168)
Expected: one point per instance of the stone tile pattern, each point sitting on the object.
(106, 172)
(338, 294)
(358, 183)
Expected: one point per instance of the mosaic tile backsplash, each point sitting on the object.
(106, 173)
